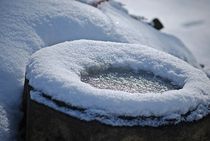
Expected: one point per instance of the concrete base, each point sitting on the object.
(46, 124)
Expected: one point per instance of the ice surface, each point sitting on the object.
(128, 81)
(56, 71)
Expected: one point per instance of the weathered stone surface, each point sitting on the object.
(46, 124)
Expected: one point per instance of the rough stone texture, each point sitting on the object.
(46, 124)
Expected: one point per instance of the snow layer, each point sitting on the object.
(4, 125)
(56, 71)
(139, 32)
(27, 26)
(189, 20)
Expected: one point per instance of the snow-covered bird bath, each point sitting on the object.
(66, 73)
(118, 84)
(115, 84)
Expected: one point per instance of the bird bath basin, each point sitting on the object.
(88, 90)
(128, 81)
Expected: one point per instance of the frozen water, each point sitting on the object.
(128, 81)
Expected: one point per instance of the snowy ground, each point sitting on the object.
(187, 19)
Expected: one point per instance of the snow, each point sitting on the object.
(4, 125)
(188, 20)
(27, 26)
(89, 1)
(60, 79)
(140, 32)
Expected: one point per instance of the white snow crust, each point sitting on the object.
(56, 70)
(188, 20)
(29, 25)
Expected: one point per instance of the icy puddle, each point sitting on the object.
(141, 82)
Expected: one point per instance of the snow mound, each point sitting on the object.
(55, 74)
(188, 20)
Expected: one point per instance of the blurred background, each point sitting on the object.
(189, 20)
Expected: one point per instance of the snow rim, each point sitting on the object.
(88, 103)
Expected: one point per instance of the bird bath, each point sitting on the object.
(128, 81)
(99, 91)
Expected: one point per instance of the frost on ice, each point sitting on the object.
(128, 81)
(61, 80)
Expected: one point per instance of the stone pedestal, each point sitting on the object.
(46, 124)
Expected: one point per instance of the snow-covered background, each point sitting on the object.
(187, 19)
